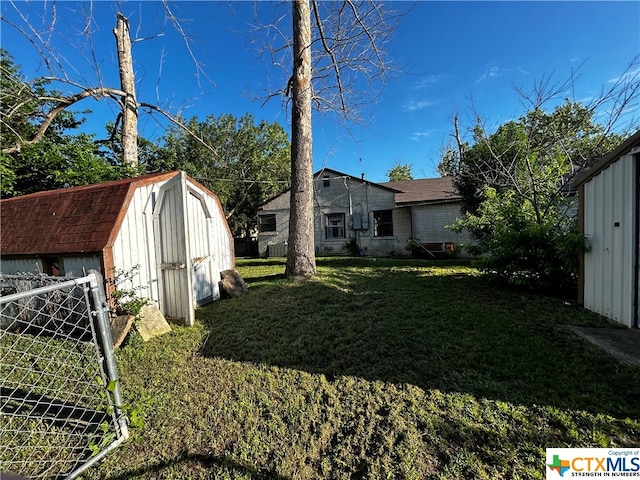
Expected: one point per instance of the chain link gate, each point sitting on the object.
(60, 402)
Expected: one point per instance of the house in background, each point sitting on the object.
(167, 228)
(609, 208)
(381, 217)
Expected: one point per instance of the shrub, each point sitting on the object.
(517, 247)
(352, 247)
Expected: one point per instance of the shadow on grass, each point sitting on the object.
(265, 278)
(209, 463)
(433, 326)
(263, 263)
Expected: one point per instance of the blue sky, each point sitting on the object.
(453, 56)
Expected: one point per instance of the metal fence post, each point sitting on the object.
(101, 315)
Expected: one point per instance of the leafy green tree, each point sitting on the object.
(400, 172)
(59, 159)
(64, 161)
(244, 163)
(518, 203)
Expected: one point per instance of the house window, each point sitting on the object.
(383, 223)
(267, 223)
(325, 181)
(334, 225)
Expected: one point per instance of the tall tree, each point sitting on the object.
(337, 64)
(78, 83)
(400, 172)
(128, 101)
(301, 253)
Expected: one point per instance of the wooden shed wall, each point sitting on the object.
(609, 218)
(134, 244)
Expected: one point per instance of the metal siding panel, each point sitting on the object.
(627, 233)
(607, 235)
(593, 258)
(608, 265)
(77, 266)
(13, 266)
(588, 230)
(71, 266)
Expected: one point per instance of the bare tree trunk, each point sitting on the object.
(127, 82)
(301, 258)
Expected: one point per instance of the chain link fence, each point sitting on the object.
(60, 402)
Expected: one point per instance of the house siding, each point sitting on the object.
(429, 222)
(349, 196)
(609, 224)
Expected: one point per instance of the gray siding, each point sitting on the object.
(430, 222)
(69, 266)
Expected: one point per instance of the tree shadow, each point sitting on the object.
(264, 263)
(436, 329)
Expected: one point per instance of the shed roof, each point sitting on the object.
(69, 220)
(424, 191)
(625, 147)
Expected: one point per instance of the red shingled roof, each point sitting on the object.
(423, 191)
(70, 220)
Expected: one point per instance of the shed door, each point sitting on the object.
(205, 280)
(170, 225)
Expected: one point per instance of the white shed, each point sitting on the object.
(608, 214)
(166, 228)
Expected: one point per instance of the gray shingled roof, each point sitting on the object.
(425, 190)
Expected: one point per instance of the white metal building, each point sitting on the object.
(166, 228)
(608, 213)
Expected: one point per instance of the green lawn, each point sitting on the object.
(371, 369)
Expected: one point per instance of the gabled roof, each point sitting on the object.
(424, 191)
(625, 147)
(335, 173)
(407, 192)
(81, 219)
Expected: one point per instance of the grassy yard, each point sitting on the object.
(372, 369)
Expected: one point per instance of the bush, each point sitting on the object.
(516, 247)
(352, 247)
